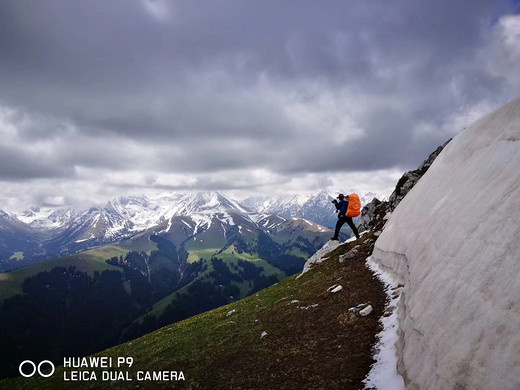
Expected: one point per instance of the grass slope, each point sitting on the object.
(11, 282)
(88, 261)
(230, 256)
(321, 347)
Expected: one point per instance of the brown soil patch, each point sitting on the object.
(321, 347)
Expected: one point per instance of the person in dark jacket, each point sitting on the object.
(341, 206)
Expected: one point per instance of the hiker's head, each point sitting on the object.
(341, 196)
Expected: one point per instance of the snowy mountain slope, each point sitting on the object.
(47, 218)
(204, 203)
(132, 213)
(205, 208)
(15, 239)
(316, 208)
(125, 215)
(453, 243)
(61, 231)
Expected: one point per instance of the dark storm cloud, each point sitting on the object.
(17, 165)
(385, 127)
(184, 87)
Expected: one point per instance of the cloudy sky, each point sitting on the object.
(105, 98)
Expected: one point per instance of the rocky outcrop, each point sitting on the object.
(375, 214)
(410, 178)
(320, 256)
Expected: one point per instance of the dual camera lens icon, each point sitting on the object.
(28, 368)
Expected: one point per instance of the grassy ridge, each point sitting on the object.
(230, 256)
(305, 347)
(88, 261)
(11, 282)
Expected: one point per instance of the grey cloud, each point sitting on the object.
(207, 88)
(16, 165)
(199, 185)
(384, 145)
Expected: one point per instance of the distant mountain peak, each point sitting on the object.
(61, 230)
(205, 203)
(312, 207)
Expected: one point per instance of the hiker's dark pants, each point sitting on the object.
(340, 223)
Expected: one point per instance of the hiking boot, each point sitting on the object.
(334, 239)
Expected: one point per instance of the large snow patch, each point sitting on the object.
(454, 242)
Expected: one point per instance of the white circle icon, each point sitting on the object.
(34, 368)
(24, 363)
(40, 368)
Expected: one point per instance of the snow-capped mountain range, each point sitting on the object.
(136, 213)
(49, 231)
(312, 207)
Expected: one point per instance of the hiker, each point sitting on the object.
(342, 206)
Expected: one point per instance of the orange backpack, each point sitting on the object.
(354, 206)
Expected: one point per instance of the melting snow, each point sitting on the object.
(168, 228)
(86, 239)
(201, 221)
(319, 256)
(227, 219)
(383, 374)
(454, 243)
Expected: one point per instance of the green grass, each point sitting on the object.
(11, 282)
(138, 243)
(160, 306)
(106, 252)
(213, 237)
(195, 255)
(303, 348)
(244, 288)
(297, 252)
(230, 256)
(88, 261)
(186, 339)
